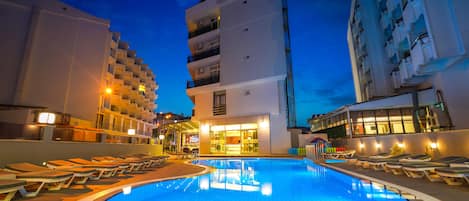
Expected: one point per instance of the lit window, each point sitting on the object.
(46, 118)
(141, 88)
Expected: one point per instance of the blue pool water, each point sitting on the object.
(260, 180)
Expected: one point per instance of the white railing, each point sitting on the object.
(421, 51)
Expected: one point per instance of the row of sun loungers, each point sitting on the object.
(454, 170)
(29, 179)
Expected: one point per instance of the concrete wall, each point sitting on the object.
(14, 151)
(449, 143)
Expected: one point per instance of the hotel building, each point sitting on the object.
(409, 63)
(241, 72)
(128, 103)
(66, 77)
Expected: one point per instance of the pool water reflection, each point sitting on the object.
(261, 179)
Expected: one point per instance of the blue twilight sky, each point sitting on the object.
(156, 30)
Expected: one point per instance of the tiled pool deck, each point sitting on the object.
(438, 190)
(174, 168)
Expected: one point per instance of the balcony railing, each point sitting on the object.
(204, 29)
(219, 109)
(203, 55)
(203, 81)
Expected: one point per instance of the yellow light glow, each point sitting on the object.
(378, 145)
(264, 124)
(131, 131)
(204, 129)
(433, 145)
(46, 118)
(141, 87)
(161, 137)
(400, 145)
(108, 90)
(361, 145)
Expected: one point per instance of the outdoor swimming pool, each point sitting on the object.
(261, 179)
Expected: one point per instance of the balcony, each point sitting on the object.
(204, 29)
(203, 81)
(203, 55)
(422, 50)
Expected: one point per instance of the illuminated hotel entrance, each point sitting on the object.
(234, 139)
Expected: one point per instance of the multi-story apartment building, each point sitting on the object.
(241, 76)
(129, 104)
(64, 70)
(402, 47)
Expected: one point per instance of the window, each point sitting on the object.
(219, 103)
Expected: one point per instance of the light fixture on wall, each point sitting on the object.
(204, 129)
(264, 124)
(433, 145)
(131, 131)
(361, 145)
(400, 145)
(378, 145)
(108, 90)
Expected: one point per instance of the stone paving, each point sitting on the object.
(172, 168)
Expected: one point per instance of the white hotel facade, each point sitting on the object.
(241, 73)
(410, 64)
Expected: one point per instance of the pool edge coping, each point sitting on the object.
(108, 193)
(419, 195)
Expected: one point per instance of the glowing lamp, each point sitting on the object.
(433, 145)
(46, 118)
(161, 137)
(264, 124)
(108, 90)
(378, 145)
(131, 131)
(266, 189)
(141, 88)
(361, 145)
(205, 128)
(400, 145)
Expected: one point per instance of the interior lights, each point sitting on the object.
(46, 118)
(131, 131)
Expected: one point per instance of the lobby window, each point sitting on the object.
(219, 103)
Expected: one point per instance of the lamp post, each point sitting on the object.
(161, 137)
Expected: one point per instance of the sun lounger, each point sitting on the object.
(363, 161)
(378, 163)
(453, 175)
(50, 179)
(102, 170)
(9, 187)
(123, 167)
(80, 175)
(134, 164)
(155, 160)
(339, 154)
(395, 167)
(427, 169)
